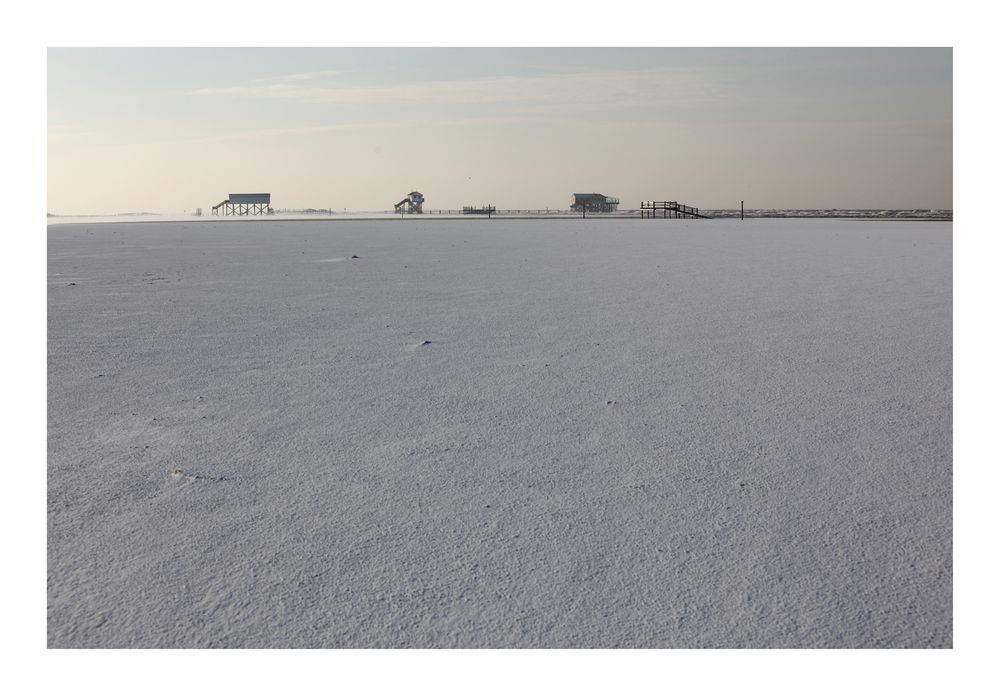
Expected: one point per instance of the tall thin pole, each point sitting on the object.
(741, 210)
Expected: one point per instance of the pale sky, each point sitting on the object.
(169, 130)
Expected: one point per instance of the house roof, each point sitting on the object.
(264, 198)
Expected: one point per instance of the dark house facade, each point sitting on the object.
(593, 203)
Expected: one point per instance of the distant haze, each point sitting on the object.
(169, 130)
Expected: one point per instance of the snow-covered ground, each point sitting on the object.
(562, 433)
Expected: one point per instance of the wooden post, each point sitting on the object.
(741, 210)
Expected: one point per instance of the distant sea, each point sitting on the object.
(865, 214)
(312, 214)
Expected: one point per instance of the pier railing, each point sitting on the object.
(668, 209)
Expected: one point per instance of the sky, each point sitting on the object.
(171, 130)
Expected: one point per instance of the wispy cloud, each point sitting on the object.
(299, 77)
(271, 133)
(58, 133)
(608, 89)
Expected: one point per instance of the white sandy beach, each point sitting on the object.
(489, 433)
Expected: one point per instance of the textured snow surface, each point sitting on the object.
(578, 433)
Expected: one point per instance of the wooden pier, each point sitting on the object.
(668, 209)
